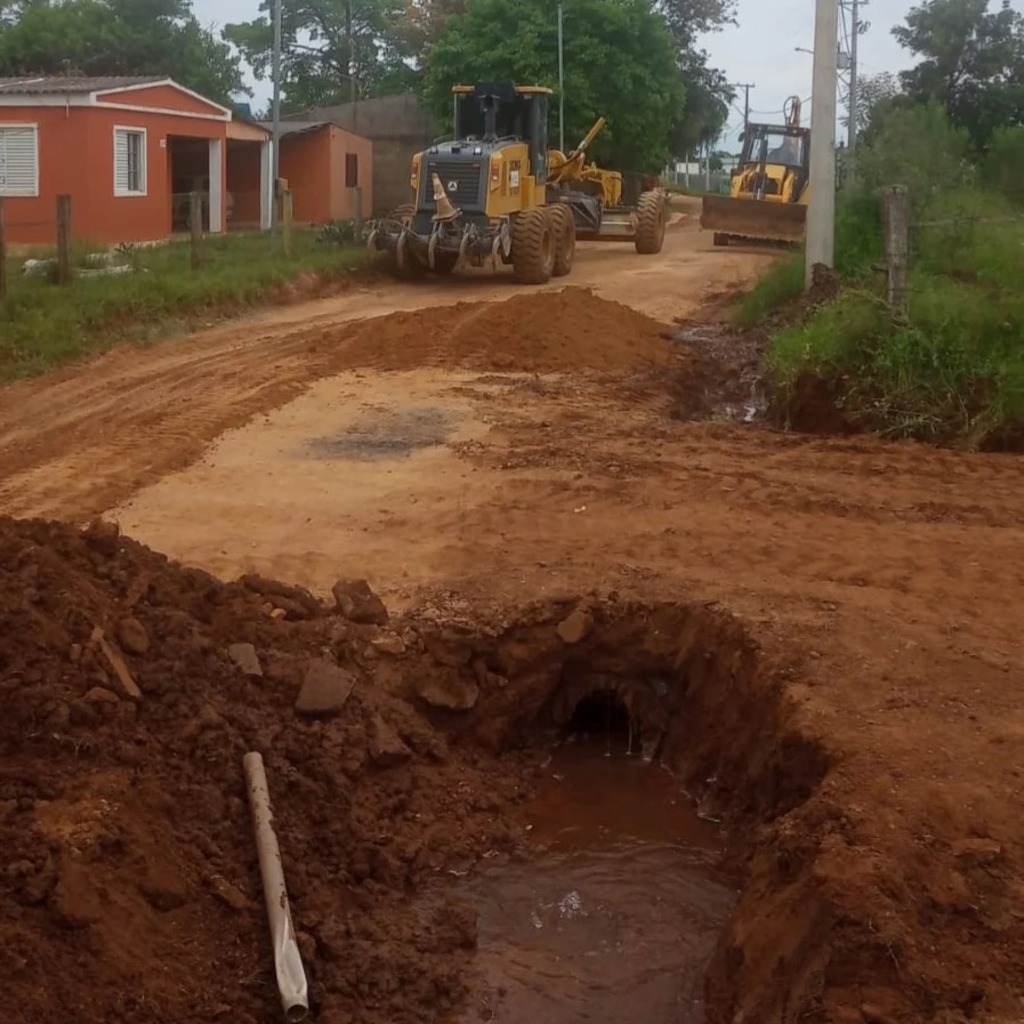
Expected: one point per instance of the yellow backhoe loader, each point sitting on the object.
(495, 192)
(769, 191)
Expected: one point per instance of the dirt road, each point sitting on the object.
(76, 442)
(473, 458)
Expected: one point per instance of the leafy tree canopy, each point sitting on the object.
(334, 49)
(620, 62)
(972, 62)
(117, 37)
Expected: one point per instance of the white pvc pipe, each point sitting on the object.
(291, 978)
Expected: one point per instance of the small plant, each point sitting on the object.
(337, 232)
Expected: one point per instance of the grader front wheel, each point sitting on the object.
(565, 239)
(533, 247)
(651, 217)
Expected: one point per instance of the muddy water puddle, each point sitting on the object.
(614, 915)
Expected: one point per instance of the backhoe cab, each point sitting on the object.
(494, 192)
(769, 189)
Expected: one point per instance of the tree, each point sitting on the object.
(875, 93)
(332, 49)
(705, 110)
(688, 19)
(118, 37)
(620, 62)
(973, 62)
(708, 95)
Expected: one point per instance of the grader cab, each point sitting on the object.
(494, 192)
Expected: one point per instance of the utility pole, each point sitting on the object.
(821, 212)
(276, 156)
(746, 87)
(561, 84)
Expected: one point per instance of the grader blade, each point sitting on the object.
(754, 219)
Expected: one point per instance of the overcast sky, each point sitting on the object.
(761, 49)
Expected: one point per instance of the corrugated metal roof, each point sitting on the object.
(61, 85)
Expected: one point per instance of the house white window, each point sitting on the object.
(19, 160)
(130, 161)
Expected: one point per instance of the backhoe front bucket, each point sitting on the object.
(754, 219)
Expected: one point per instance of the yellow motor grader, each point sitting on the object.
(495, 192)
(770, 189)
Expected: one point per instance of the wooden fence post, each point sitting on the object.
(357, 212)
(63, 239)
(195, 227)
(897, 248)
(3, 252)
(286, 221)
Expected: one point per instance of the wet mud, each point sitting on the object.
(616, 904)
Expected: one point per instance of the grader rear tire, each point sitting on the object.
(565, 238)
(533, 247)
(651, 217)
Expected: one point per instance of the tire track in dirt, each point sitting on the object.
(81, 440)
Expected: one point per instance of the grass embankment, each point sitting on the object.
(953, 371)
(43, 326)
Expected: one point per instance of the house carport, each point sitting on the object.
(249, 175)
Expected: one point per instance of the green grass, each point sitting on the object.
(45, 325)
(953, 373)
(774, 290)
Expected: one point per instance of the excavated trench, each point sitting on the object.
(541, 813)
(667, 755)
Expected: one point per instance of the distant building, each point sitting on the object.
(398, 127)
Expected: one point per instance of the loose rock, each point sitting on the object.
(100, 695)
(132, 636)
(325, 689)
(576, 626)
(389, 643)
(449, 691)
(245, 657)
(386, 746)
(358, 603)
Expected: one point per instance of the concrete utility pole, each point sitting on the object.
(821, 212)
(276, 156)
(746, 87)
(561, 84)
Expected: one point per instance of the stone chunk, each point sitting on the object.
(358, 603)
(325, 689)
(576, 626)
(389, 643)
(100, 695)
(245, 657)
(132, 636)
(386, 747)
(449, 691)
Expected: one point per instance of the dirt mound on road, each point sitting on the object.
(131, 890)
(536, 332)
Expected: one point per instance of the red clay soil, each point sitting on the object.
(537, 332)
(130, 889)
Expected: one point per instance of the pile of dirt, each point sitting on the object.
(131, 690)
(534, 332)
